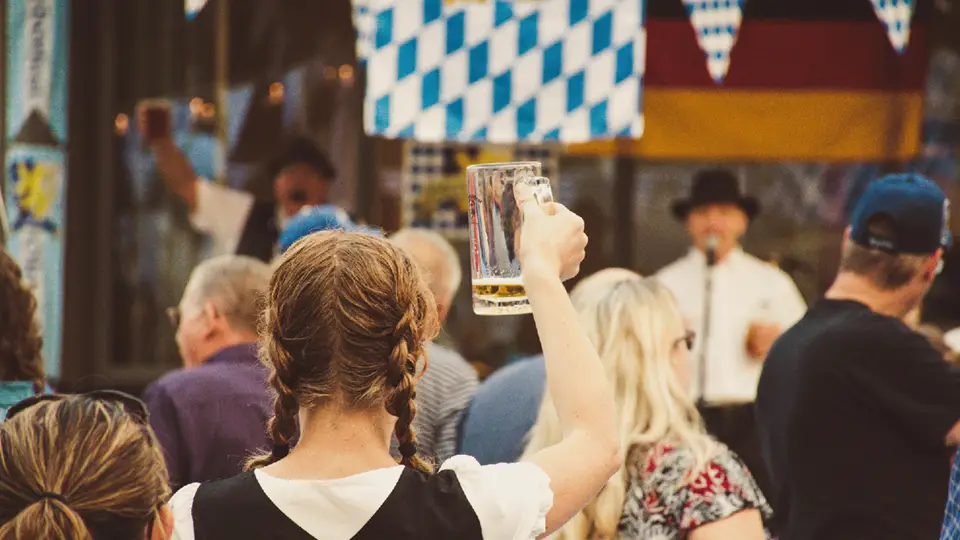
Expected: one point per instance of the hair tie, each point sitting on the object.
(54, 496)
(280, 451)
(408, 449)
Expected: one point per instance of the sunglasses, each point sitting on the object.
(130, 405)
(688, 339)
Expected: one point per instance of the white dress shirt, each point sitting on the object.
(222, 213)
(744, 290)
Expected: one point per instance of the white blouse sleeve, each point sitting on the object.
(182, 507)
(222, 213)
(511, 500)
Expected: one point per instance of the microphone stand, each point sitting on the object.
(704, 338)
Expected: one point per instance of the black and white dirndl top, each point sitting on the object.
(462, 501)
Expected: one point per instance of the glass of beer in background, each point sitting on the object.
(156, 123)
(494, 230)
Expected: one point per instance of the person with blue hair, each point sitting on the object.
(324, 217)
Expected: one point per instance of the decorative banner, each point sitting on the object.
(782, 101)
(192, 8)
(502, 71)
(435, 182)
(717, 23)
(35, 205)
(896, 16)
(34, 190)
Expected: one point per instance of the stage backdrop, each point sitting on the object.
(801, 80)
(35, 161)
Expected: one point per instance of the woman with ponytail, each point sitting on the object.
(82, 467)
(346, 319)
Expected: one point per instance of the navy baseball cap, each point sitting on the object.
(325, 217)
(915, 206)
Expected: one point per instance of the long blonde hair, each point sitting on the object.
(79, 468)
(634, 323)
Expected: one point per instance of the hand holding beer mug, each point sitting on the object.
(507, 201)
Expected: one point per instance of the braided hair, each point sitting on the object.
(345, 322)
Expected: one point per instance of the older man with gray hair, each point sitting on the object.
(446, 388)
(212, 414)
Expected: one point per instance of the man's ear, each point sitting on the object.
(934, 266)
(213, 317)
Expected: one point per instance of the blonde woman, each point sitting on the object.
(677, 482)
(83, 467)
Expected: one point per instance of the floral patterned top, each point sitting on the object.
(658, 508)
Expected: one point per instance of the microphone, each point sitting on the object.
(711, 252)
(712, 242)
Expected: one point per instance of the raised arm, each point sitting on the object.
(174, 166)
(551, 248)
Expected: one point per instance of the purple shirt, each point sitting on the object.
(210, 418)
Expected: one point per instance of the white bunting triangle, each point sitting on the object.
(717, 23)
(896, 16)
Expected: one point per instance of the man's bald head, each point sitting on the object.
(437, 260)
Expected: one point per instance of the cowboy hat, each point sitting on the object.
(715, 186)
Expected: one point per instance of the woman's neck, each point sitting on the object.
(336, 443)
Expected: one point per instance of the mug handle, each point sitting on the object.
(542, 191)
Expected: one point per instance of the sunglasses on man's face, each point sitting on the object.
(130, 405)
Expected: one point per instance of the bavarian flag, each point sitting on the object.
(804, 80)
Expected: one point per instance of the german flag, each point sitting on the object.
(809, 80)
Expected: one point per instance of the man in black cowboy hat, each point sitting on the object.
(750, 303)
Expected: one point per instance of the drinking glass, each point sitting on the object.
(495, 219)
(157, 123)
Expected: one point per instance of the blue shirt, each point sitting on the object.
(211, 418)
(951, 516)
(13, 392)
(503, 411)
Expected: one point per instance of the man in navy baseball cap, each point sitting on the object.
(856, 410)
(914, 212)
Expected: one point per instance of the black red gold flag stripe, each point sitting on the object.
(809, 80)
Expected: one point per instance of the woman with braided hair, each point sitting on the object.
(346, 319)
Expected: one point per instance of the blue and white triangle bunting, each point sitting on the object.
(717, 23)
(896, 16)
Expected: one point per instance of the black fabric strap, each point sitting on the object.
(424, 507)
(238, 508)
(420, 507)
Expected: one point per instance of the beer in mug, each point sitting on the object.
(495, 218)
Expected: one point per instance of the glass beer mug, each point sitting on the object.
(495, 221)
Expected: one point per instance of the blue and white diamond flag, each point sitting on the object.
(896, 16)
(717, 23)
(502, 71)
(192, 8)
